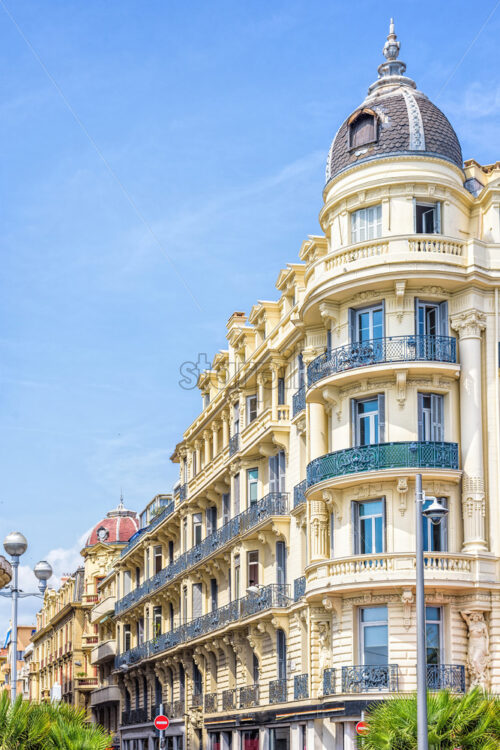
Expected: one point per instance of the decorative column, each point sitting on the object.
(206, 447)
(260, 391)
(318, 531)
(215, 437)
(197, 450)
(469, 326)
(225, 428)
(317, 432)
(275, 369)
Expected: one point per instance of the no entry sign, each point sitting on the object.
(161, 722)
(362, 727)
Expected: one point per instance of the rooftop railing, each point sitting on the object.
(381, 456)
(391, 349)
(273, 504)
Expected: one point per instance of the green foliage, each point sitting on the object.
(469, 722)
(46, 726)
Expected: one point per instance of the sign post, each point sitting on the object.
(161, 723)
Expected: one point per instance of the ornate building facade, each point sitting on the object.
(273, 598)
(62, 666)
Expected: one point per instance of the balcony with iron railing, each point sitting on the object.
(382, 457)
(446, 677)
(249, 696)
(273, 504)
(268, 597)
(299, 588)
(210, 703)
(299, 401)
(229, 699)
(300, 687)
(234, 443)
(388, 350)
(278, 690)
(370, 678)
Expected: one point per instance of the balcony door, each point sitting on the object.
(431, 318)
(281, 563)
(433, 635)
(374, 636)
(367, 324)
(277, 469)
(281, 653)
(368, 417)
(430, 417)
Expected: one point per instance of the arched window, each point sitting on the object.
(363, 129)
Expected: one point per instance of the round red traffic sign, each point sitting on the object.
(362, 727)
(161, 722)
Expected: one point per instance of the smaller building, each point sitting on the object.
(62, 667)
(24, 633)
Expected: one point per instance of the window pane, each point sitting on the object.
(372, 508)
(379, 535)
(374, 614)
(366, 537)
(375, 645)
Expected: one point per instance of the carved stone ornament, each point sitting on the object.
(469, 324)
(478, 652)
(407, 600)
(402, 489)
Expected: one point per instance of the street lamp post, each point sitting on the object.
(435, 513)
(16, 544)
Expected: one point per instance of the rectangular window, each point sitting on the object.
(236, 494)
(301, 370)
(226, 507)
(433, 619)
(146, 564)
(196, 529)
(140, 631)
(281, 563)
(206, 400)
(213, 593)
(127, 638)
(281, 391)
(281, 653)
(157, 561)
(156, 621)
(435, 535)
(211, 519)
(195, 468)
(255, 669)
(368, 416)
(369, 527)
(277, 469)
(236, 576)
(127, 582)
(252, 486)
(427, 218)
(374, 648)
(171, 615)
(170, 552)
(184, 603)
(253, 568)
(137, 577)
(367, 325)
(236, 418)
(251, 408)
(185, 534)
(197, 600)
(430, 417)
(144, 519)
(431, 321)
(366, 223)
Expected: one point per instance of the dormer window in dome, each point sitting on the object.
(363, 128)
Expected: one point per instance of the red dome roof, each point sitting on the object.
(118, 526)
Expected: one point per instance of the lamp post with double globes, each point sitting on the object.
(436, 512)
(16, 544)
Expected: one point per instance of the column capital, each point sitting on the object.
(469, 325)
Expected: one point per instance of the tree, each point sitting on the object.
(47, 726)
(468, 722)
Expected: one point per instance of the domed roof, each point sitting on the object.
(117, 528)
(398, 120)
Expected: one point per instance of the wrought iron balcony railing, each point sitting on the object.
(329, 681)
(278, 692)
(273, 504)
(446, 677)
(380, 456)
(183, 490)
(249, 696)
(368, 679)
(299, 401)
(300, 687)
(135, 716)
(197, 699)
(268, 597)
(167, 510)
(210, 703)
(384, 350)
(299, 493)
(299, 588)
(234, 444)
(229, 699)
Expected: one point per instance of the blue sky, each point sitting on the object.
(216, 118)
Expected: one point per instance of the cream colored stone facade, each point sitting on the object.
(274, 598)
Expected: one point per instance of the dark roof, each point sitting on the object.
(394, 133)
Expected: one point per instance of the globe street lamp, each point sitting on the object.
(435, 513)
(16, 544)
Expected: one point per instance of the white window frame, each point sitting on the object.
(373, 623)
(366, 223)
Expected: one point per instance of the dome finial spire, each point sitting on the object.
(391, 46)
